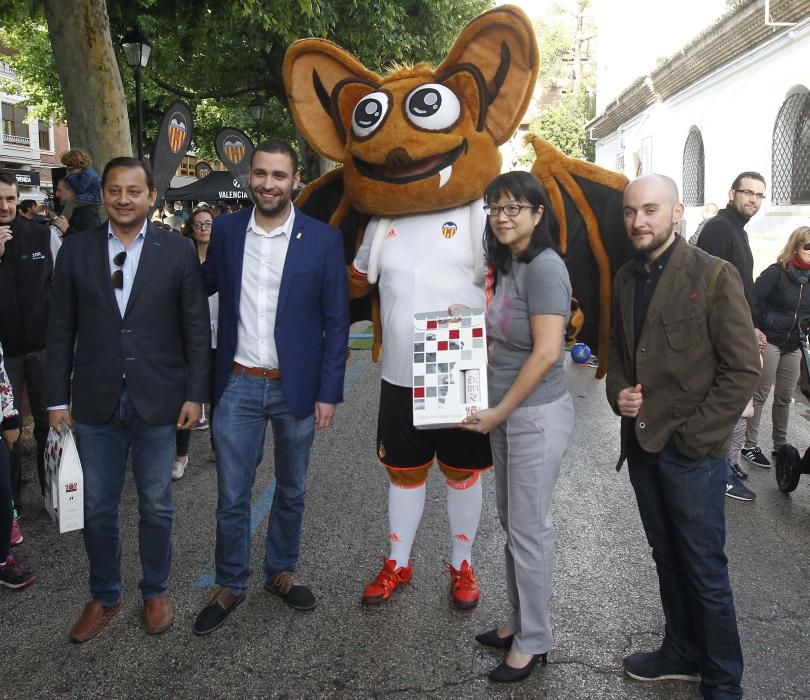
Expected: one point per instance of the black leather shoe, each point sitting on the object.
(504, 673)
(213, 615)
(491, 639)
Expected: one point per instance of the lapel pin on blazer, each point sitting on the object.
(298, 236)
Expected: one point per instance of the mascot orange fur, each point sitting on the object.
(418, 147)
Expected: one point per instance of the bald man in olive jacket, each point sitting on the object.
(683, 363)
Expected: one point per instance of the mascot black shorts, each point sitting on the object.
(401, 446)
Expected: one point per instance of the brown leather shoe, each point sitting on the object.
(93, 619)
(158, 615)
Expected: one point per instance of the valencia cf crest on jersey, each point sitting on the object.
(449, 229)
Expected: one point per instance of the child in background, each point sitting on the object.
(81, 177)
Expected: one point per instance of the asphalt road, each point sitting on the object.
(416, 645)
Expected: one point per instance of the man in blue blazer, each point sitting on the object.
(281, 356)
(128, 338)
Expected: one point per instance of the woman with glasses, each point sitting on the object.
(198, 229)
(780, 300)
(531, 414)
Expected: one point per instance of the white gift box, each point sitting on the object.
(449, 367)
(64, 483)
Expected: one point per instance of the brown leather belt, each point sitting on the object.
(257, 371)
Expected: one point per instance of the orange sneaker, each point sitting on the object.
(464, 588)
(387, 581)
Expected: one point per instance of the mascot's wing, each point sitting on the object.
(588, 202)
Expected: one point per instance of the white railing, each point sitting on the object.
(7, 71)
(16, 140)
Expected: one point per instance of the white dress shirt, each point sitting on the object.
(130, 266)
(262, 266)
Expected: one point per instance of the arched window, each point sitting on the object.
(791, 150)
(694, 168)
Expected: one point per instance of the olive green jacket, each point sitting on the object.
(697, 358)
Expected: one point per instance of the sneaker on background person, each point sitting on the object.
(179, 468)
(737, 490)
(16, 534)
(738, 471)
(203, 423)
(13, 576)
(754, 456)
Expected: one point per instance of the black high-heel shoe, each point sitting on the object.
(491, 639)
(507, 674)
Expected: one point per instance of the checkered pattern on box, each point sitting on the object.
(438, 344)
(53, 457)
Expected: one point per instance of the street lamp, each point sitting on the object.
(137, 49)
(257, 109)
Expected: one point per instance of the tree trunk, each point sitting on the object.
(95, 104)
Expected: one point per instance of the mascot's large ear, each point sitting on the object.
(501, 47)
(313, 68)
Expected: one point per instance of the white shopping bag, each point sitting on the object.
(64, 483)
(449, 367)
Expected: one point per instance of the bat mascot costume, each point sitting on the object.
(418, 147)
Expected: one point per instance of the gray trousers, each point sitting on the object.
(780, 371)
(528, 449)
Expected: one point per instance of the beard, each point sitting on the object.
(268, 209)
(659, 240)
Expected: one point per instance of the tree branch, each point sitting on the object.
(180, 92)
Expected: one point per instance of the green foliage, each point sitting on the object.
(566, 23)
(565, 125)
(555, 40)
(216, 54)
(39, 83)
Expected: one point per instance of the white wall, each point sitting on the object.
(735, 110)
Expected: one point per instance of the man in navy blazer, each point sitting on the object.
(281, 356)
(128, 357)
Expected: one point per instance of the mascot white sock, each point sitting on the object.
(464, 511)
(405, 506)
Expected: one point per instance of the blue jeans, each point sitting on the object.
(242, 414)
(682, 506)
(103, 451)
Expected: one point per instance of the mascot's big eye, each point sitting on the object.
(369, 113)
(433, 107)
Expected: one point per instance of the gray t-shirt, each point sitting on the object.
(529, 289)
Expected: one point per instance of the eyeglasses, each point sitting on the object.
(508, 209)
(751, 193)
(806, 246)
(118, 275)
(199, 225)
